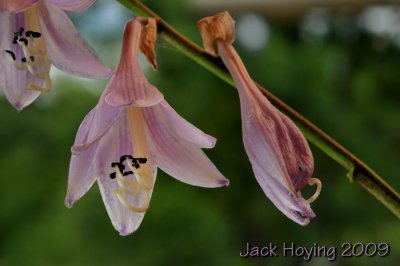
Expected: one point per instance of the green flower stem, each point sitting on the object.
(357, 170)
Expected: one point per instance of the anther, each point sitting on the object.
(33, 34)
(23, 40)
(11, 53)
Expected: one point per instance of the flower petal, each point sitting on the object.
(267, 140)
(130, 85)
(16, 6)
(81, 175)
(66, 49)
(176, 156)
(112, 146)
(296, 154)
(96, 124)
(72, 5)
(182, 128)
(269, 170)
(14, 82)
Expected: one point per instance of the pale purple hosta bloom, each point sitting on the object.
(280, 156)
(59, 44)
(132, 118)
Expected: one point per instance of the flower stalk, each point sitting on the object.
(356, 169)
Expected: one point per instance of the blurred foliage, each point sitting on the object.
(346, 86)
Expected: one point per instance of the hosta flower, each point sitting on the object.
(280, 156)
(36, 34)
(130, 133)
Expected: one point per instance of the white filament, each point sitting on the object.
(311, 182)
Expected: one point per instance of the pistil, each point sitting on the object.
(131, 188)
(311, 182)
(35, 52)
(144, 174)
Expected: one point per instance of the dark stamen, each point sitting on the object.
(11, 53)
(34, 34)
(25, 41)
(19, 32)
(142, 160)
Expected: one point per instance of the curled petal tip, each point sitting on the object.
(220, 27)
(225, 183)
(212, 141)
(18, 106)
(304, 216)
(300, 217)
(209, 142)
(19, 102)
(69, 202)
(305, 222)
(124, 232)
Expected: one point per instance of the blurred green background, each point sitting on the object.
(339, 69)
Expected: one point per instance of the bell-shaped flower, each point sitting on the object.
(130, 133)
(279, 154)
(36, 34)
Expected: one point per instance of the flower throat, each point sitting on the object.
(34, 50)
